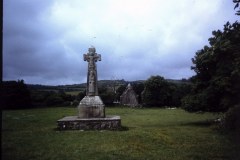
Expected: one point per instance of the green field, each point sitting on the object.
(73, 93)
(149, 134)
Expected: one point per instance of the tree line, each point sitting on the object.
(18, 95)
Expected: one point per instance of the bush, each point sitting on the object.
(107, 98)
(194, 103)
(54, 100)
(75, 103)
(14, 95)
(157, 92)
(80, 96)
(232, 119)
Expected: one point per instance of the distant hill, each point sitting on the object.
(178, 81)
(74, 87)
(101, 83)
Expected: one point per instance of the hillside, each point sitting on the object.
(101, 83)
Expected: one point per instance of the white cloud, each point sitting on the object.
(136, 38)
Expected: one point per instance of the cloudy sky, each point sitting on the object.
(44, 41)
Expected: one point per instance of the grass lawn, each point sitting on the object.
(73, 93)
(152, 134)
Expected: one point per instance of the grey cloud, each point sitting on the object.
(43, 41)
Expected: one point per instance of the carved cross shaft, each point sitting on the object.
(92, 58)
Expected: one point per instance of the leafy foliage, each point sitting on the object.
(43, 98)
(81, 95)
(18, 95)
(107, 95)
(120, 91)
(232, 119)
(237, 6)
(160, 92)
(217, 67)
(156, 92)
(138, 89)
(107, 98)
(14, 95)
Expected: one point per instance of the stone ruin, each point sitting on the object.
(129, 97)
(91, 110)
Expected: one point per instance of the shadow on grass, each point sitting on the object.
(205, 123)
(201, 123)
(123, 128)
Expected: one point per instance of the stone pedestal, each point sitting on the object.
(91, 107)
(75, 123)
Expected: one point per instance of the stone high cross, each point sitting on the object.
(91, 110)
(92, 57)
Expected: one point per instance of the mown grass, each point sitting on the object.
(73, 93)
(152, 134)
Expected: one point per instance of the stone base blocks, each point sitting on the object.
(91, 107)
(76, 123)
(91, 116)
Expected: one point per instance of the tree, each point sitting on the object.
(14, 95)
(232, 119)
(54, 99)
(106, 95)
(216, 83)
(156, 92)
(81, 95)
(138, 88)
(107, 98)
(178, 91)
(120, 91)
(237, 6)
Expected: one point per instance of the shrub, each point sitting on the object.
(54, 100)
(14, 95)
(75, 103)
(107, 98)
(157, 92)
(232, 118)
(194, 103)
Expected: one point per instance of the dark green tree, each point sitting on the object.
(138, 88)
(108, 98)
(237, 6)
(14, 95)
(216, 83)
(178, 91)
(120, 91)
(81, 95)
(107, 95)
(156, 92)
(54, 99)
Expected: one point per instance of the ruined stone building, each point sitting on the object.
(129, 97)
